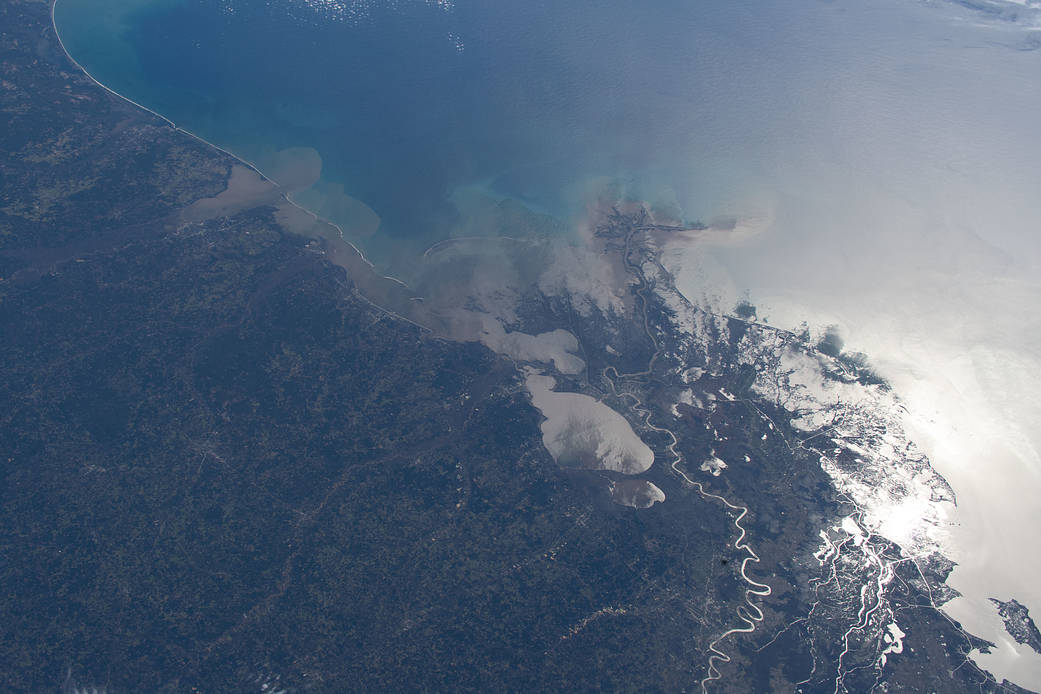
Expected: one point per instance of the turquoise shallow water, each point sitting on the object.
(888, 126)
(425, 111)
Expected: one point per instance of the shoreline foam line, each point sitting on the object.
(285, 195)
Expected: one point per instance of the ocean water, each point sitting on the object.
(882, 159)
(415, 110)
(418, 112)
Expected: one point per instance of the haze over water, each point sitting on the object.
(882, 158)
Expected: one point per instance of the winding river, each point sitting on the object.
(749, 613)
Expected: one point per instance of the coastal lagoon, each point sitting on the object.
(870, 165)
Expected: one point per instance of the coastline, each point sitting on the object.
(277, 188)
(245, 162)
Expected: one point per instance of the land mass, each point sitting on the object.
(1018, 623)
(237, 459)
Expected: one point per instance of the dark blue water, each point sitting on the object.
(407, 103)
(827, 118)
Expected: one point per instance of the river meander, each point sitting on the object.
(886, 152)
